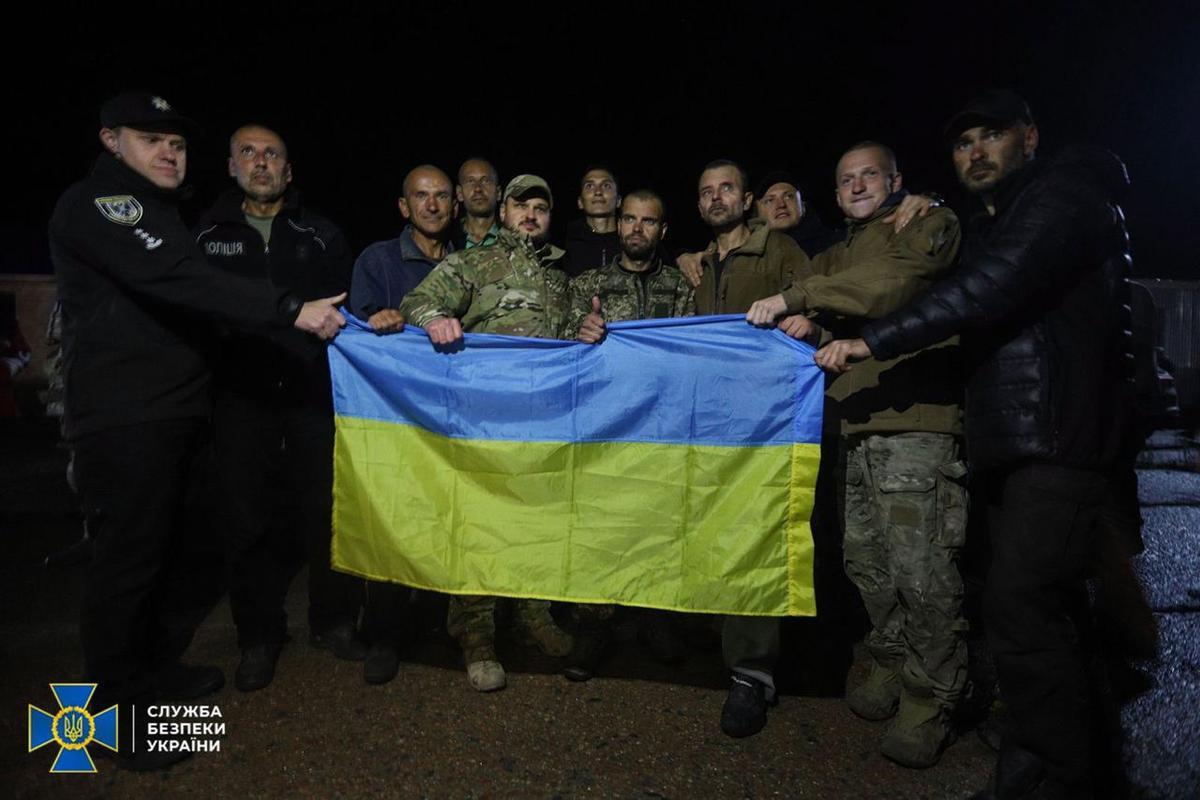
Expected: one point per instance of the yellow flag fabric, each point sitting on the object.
(637, 472)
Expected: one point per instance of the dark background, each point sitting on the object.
(362, 93)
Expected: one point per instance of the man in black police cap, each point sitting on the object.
(1040, 298)
(137, 296)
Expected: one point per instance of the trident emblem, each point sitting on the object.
(73, 728)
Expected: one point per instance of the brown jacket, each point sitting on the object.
(873, 272)
(766, 264)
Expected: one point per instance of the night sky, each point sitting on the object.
(655, 90)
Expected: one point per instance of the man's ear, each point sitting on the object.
(108, 138)
(897, 182)
(232, 171)
(579, 203)
(747, 201)
(1029, 146)
(404, 212)
(287, 173)
(663, 235)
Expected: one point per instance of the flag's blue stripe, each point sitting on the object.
(704, 381)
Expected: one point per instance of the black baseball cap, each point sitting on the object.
(772, 178)
(145, 112)
(1000, 108)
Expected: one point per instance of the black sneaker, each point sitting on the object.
(181, 682)
(745, 710)
(342, 640)
(256, 670)
(382, 662)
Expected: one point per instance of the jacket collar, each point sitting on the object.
(887, 207)
(228, 207)
(409, 250)
(109, 167)
(655, 266)
(755, 245)
(546, 254)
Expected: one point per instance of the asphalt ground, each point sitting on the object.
(639, 729)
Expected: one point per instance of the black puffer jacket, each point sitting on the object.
(1041, 300)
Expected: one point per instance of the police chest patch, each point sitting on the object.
(123, 209)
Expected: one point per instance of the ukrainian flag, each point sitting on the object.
(671, 466)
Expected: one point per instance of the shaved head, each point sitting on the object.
(259, 130)
(423, 171)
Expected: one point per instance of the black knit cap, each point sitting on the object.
(1000, 108)
(772, 178)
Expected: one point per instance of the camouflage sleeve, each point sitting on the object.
(579, 301)
(685, 299)
(447, 291)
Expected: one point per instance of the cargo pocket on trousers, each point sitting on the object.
(953, 504)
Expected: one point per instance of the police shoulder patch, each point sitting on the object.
(123, 209)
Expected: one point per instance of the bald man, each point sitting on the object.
(273, 416)
(388, 270)
(384, 273)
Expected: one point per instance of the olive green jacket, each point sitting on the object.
(508, 287)
(766, 264)
(873, 272)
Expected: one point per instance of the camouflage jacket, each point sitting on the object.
(508, 287)
(658, 293)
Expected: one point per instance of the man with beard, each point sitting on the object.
(636, 284)
(384, 273)
(515, 288)
(1039, 296)
(478, 195)
(746, 261)
(592, 241)
(273, 416)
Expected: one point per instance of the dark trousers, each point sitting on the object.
(275, 467)
(1042, 520)
(133, 482)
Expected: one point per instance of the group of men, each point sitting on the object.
(1034, 291)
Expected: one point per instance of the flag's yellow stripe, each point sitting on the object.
(684, 527)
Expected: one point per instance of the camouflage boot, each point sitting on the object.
(540, 629)
(484, 672)
(919, 733)
(876, 698)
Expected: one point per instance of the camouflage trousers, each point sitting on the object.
(905, 521)
(471, 619)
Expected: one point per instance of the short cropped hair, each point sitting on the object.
(868, 144)
(648, 196)
(743, 176)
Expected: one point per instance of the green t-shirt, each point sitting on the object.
(262, 225)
